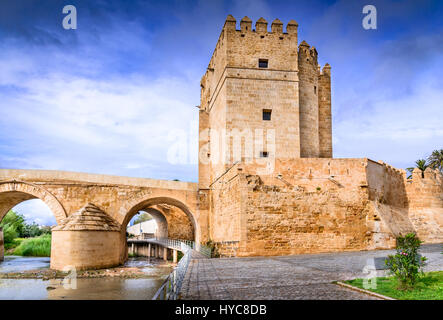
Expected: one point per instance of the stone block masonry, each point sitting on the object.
(2, 249)
(321, 205)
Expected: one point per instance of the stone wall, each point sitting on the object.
(320, 205)
(425, 200)
(75, 248)
(178, 224)
(2, 248)
(226, 199)
(387, 194)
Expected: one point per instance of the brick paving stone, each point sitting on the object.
(308, 276)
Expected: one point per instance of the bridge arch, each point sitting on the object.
(145, 204)
(14, 192)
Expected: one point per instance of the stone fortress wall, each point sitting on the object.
(323, 205)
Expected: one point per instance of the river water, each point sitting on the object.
(108, 288)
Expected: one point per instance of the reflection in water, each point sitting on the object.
(87, 288)
(21, 264)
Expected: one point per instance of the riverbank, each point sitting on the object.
(31, 247)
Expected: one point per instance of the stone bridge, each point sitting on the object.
(173, 204)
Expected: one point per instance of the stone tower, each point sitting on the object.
(262, 96)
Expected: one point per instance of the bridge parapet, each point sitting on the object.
(69, 176)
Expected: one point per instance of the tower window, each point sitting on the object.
(262, 63)
(267, 114)
(315, 89)
(264, 154)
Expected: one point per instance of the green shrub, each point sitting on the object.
(36, 247)
(12, 225)
(214, 249)
(9, 233)
(406, 265)
(13, 244)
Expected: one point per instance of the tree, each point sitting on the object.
(420, 164)
(13, 225)
(435, 160)
(32, 230)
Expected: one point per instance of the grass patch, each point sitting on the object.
(429, 287)
(34, 247)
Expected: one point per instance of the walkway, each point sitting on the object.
(290, 277)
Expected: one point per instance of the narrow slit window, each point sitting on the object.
(315, 89)
(264, 154)
(267, 114)
(262, 63)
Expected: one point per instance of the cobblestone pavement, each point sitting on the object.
(306, 276)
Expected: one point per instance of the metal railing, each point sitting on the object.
(170, 288)
(176, 244)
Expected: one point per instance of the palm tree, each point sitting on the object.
(421, 164)
(435, 160)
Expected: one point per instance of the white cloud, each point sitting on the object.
(397, 131)
(36, 211)
(128, 119)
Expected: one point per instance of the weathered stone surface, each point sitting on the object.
(322, 205)
(2, 253)
(118, 200)
(86, 249)
(91, 218)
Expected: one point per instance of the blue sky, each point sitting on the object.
(112, 96)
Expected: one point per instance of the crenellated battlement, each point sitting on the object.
(261, 26)
(260, 30)
(433, 176)
(243, 47)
